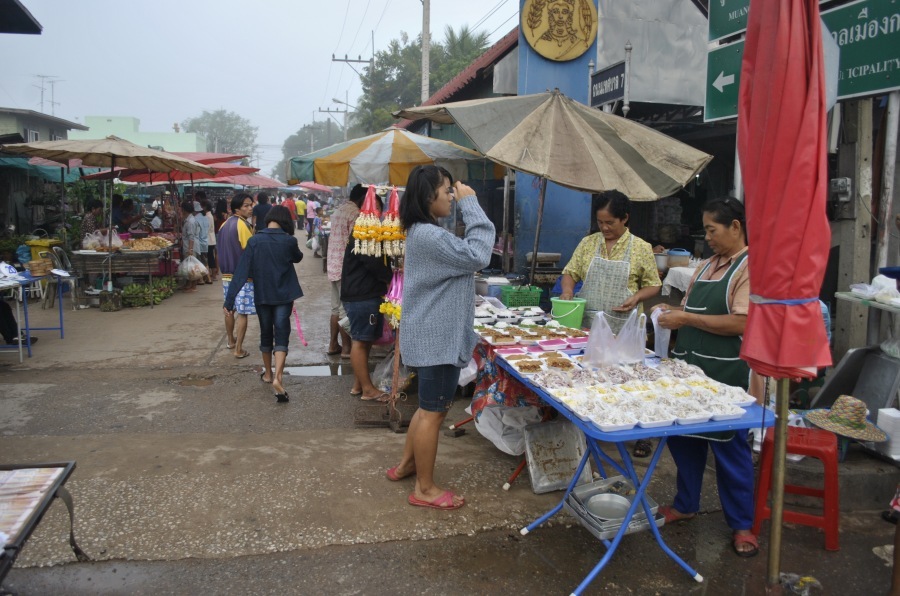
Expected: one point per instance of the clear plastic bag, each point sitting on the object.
(192, 269)
(505, 427)
(604, 348)
(383, 375)
(661, 335)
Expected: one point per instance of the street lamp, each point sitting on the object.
(354, 108)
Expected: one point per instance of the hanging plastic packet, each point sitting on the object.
(661, 335)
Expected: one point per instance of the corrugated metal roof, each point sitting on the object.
(46, 117)
(459, 82)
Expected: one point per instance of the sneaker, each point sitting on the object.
(34, 340)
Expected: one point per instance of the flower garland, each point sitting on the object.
(392, 237)
(367, 227)
(392, 307)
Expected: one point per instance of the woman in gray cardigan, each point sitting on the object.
(436, 335)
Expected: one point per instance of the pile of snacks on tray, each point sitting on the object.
(150, 243)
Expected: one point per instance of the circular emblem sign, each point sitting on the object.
(559, 30)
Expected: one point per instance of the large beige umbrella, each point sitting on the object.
(560, 140)
(108, 152)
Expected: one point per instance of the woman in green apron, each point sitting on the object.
(710, 325)
(617, 268)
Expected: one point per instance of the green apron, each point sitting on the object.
(717, 355)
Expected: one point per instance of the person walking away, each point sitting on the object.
(190, 239)
(232, 239)
(301, 211)
(364, 282)
(291, 206)
(211, 256)
(617, 268)
(436, 335)
(341, 229)
(203, 222)
(260, 211)
(269, 259)
(312, 208)
(710, 326)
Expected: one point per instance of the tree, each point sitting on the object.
(395, 81)
(225, 132)
(310, 137)
(457, 52)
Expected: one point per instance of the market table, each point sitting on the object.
(874, 320)
(26, 492)
(753, 418)
(23, 280)
(678, 278)
(134, 262)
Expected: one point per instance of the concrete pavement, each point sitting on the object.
(192, 480)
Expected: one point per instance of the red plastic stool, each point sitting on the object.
(810, 442)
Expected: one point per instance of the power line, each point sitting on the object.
(489, 14)
(503, 23)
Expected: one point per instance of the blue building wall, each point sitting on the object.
(566, 212)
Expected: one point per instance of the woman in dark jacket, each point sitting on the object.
(269, 260)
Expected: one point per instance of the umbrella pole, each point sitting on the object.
(504, 237)
(537, 229)
(109, 286)
(773, 578)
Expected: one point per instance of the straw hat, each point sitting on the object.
(847, 417)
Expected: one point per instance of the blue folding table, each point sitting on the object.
(753, 418)
(24, 279)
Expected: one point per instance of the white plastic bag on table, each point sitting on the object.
(632, 339)
(192, 269)
(92, 241)
(601, 348)
(661, 335)
(116, 242)
(504, 426)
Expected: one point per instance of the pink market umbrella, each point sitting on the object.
(145, 177)
(782, 148)
(247, 180)
(316, 187)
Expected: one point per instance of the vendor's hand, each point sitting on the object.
(565, 296)
(673, 319)
(629, 304)
(658, 249)
(460, 190)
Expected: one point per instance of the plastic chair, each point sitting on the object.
(60, 261)
(811, 442)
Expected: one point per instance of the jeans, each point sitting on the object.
(274, 326)
(437, 386)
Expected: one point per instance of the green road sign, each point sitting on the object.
(727, 17)
(723, 79)
(868, 34)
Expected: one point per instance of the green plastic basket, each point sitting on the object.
(520, 295)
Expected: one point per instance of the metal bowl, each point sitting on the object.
(608, 506)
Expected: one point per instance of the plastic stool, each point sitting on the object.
(822, 445)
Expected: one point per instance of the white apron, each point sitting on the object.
(605, 287)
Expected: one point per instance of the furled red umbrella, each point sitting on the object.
(782, 148)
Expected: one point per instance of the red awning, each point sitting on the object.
(782, 148)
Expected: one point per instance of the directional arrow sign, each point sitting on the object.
(723, 79)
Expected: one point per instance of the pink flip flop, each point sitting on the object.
(394, 477)
(445, 501)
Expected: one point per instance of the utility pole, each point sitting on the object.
(336, 111)
(426, 48)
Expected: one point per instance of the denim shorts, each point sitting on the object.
(437, 386)
(365, 320)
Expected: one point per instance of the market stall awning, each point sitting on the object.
(386, 157)
(48, 173)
